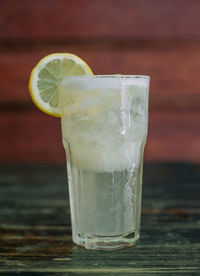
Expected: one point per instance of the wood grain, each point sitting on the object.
(149, 37)
(173, 135)
(174, 71)
(35, 228)
(56, 19)
(31, 135)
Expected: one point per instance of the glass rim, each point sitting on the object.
(114, 76)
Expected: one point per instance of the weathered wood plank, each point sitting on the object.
(93, 18)
(174, 71)
(24, 135)
(170, 135)
(177, 74)
(34, 136)
(169, 241)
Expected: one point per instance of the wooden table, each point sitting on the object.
(35, 232)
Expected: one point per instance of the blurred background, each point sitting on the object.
(149, 37)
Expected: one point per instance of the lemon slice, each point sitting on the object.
(47, 75)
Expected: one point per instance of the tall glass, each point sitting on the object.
(104, 130)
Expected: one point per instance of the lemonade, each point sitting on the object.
(104, 129)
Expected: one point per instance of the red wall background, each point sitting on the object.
(149, 37)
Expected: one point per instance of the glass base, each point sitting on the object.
(94, 242)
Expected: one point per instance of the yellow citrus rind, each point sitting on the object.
(34, 87)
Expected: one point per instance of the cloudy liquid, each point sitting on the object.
(104, 128)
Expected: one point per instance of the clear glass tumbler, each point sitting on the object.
(104, 130)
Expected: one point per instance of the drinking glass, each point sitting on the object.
(104, 130)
